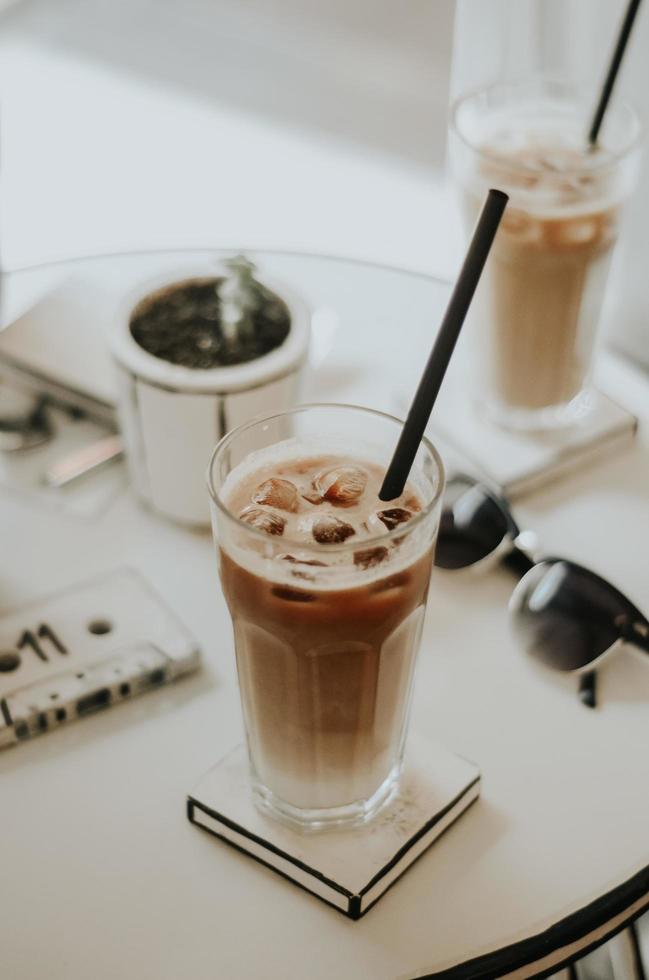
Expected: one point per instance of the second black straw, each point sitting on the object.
(449, 331)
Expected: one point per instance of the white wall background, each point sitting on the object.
(159, 123)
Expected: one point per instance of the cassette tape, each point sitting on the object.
(85, 649)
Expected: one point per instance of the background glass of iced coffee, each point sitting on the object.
(326, 586)
(535, 315)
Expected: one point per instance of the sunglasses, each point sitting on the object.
(564, 615)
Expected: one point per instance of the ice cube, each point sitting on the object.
(520, 225)
(292, 595)
(411, 503)
(331, 530)
(303, 561)
(263, 520)
(556, 163)
(397, 581)
(369, 557)
(313, 497)
(394, 516)
(341, 484)
(277, 493)
(578, 231)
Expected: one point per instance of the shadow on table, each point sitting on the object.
(623, 472)
(407, 905)
(624, 679)
(334, 379)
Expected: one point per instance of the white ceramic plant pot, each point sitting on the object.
(172, 416)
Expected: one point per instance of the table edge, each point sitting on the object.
(220, 250)
(546, 952)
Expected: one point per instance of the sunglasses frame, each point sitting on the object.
(513, 539)
(635, 638)
(524, 545)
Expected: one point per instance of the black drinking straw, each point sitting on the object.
(431, 379)
(613, 69)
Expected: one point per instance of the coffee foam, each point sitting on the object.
(258, 553)
(545, 165)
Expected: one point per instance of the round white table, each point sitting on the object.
(102, 876)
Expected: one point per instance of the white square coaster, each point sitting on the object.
(349, 869)
(520, 462)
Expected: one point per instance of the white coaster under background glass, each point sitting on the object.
(351, 868)
(519, 462)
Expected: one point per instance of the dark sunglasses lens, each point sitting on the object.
(471, 527)
(566, 616)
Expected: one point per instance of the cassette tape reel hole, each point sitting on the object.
(9, 660)
(100, 627)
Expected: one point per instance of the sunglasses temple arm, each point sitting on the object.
(638, 634)
(588, 689)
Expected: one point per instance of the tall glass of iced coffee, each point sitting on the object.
(326, 585)
(535, 315)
